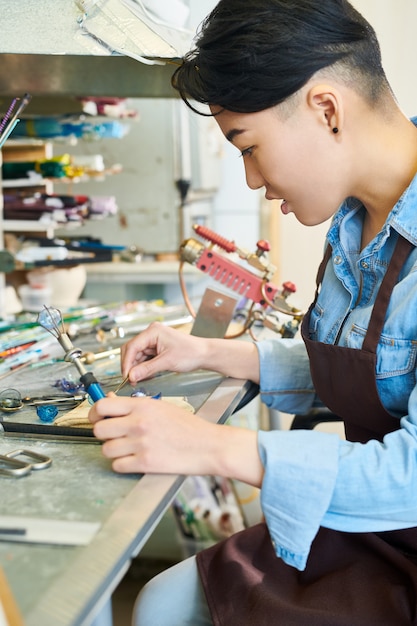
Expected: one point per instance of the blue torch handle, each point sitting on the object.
(95, 392)
(92, 386)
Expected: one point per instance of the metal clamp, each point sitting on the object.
(13, 467)
(10, 465)
(41, 461)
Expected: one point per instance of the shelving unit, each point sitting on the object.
(20, 151)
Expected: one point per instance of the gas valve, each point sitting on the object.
(255, 287)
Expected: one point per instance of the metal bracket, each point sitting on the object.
(214, 314)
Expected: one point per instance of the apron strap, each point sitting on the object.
(322, 267)
(402, 250)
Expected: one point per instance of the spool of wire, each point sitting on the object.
(10, 400)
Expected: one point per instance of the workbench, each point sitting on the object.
(62, 585)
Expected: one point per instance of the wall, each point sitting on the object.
(394, 22)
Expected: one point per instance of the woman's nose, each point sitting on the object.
(254, 178)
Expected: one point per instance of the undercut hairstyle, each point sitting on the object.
(250, 55)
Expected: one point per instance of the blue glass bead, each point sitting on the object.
(47, 413)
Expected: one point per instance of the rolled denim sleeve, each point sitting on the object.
(300, 467)
(300, 474)
(376, 482)
(315, 479)
(285, 378)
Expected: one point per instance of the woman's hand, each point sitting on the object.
(160, 348)
(153, 436)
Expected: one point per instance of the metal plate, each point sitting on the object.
(214, 314)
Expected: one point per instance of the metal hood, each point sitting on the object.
(43, 51)
(77, 76)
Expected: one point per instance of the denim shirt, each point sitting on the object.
(315, 479)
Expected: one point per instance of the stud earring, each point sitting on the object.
(335, 130)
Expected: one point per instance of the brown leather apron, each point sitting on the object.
(351, 579)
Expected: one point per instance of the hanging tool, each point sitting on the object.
(51, 320)
(12, 117)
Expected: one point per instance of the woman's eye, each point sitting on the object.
(246, 152)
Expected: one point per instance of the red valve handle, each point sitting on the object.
(263, 245)
(218, 240)
(289, 287)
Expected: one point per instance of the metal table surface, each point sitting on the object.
(57, 585)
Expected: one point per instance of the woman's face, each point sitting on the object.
(297, 159)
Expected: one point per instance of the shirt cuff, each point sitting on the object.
(287, 387)
(300, 474)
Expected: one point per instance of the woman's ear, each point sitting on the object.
(326, 102)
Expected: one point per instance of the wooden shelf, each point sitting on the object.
(19, 151)
(14, 183)
(30, 226)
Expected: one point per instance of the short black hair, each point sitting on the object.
(250, 55)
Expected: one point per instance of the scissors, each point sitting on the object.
(18, 463)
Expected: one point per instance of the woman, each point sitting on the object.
(298, 87)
